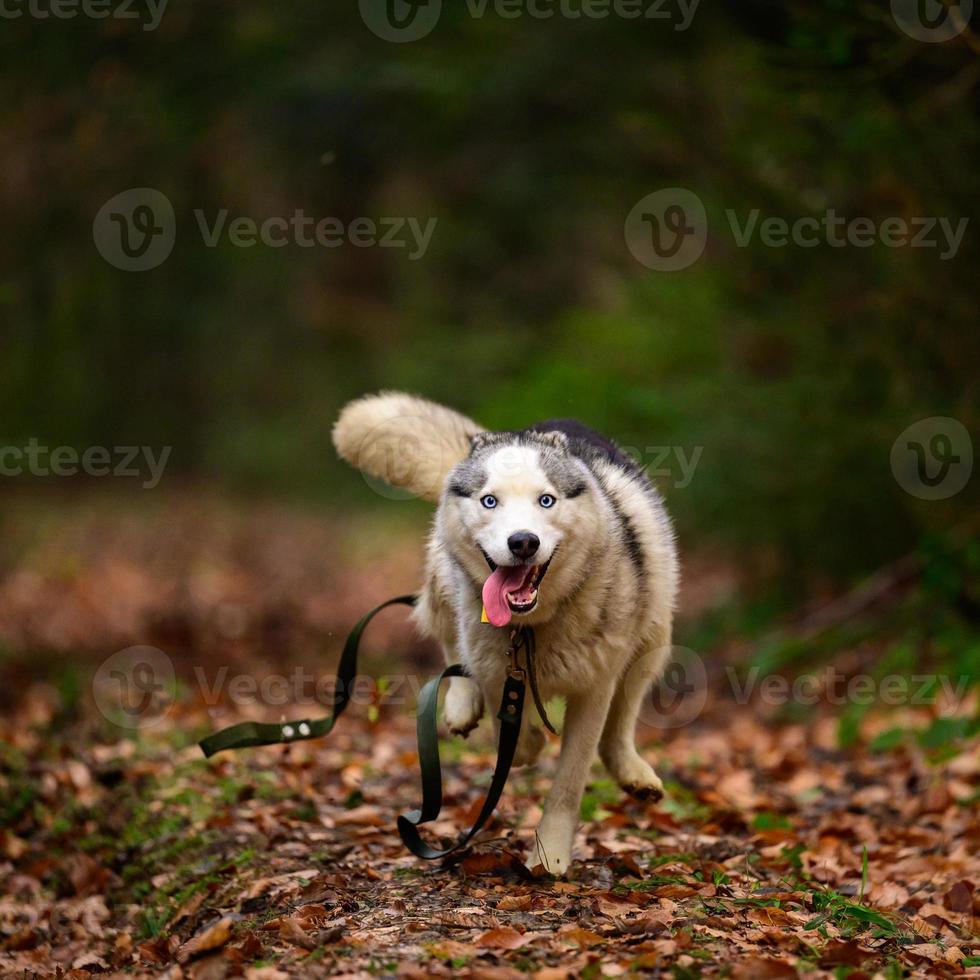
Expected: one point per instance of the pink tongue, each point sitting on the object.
(505, 579)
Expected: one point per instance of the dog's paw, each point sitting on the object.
(464, 706)
(529, 746)
(648, 794)
(553, 857)
(636, 777)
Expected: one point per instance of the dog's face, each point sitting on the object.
(521, 516)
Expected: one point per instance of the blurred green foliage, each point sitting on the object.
(530, 141)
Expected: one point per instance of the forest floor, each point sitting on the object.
(781, 849)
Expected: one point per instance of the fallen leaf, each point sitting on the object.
(292, 932)
(762, 968)
(842, 953)
(214, 937)
(502, 938)
(582, 937)
(959, 898)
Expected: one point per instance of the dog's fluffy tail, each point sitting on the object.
(406, 441)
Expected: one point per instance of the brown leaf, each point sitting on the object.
(493, 862)
(188, 908)
(159, 951)
(501, 938)
(292, 932)
(582, 937)
(675, 891)
(762, 968)
(365, 815)
(23, 939)
(214, 937)
(330, 935)
(87, 877)
(771, 916)
(90, 962)
(960, 897)
(840, 952)
(251, 946)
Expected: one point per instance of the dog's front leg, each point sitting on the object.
(463, 707)
(584, 717)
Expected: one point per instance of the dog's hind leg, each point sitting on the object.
(617, 748)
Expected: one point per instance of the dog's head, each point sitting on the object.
(521, 516)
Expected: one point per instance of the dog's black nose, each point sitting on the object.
(523, 544)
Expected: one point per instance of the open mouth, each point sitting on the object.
(511, 589)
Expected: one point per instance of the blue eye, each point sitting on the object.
(546, 500)
(489, 501)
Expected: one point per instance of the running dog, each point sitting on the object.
(551, 526)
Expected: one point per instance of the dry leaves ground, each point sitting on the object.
(777, 852)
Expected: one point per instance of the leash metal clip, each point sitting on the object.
(514, 669)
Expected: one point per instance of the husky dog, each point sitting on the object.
(551, 526)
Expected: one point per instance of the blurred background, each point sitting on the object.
(737, 237)
(764, 387)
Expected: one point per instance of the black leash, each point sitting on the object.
(249, 733)
(511, 712)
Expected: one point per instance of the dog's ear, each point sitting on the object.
(553, 438)
(481, 440)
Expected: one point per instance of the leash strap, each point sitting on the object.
(511, 711)
(248, 733)
(533, 677)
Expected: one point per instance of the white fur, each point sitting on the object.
(602, 628)
(406, 441)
